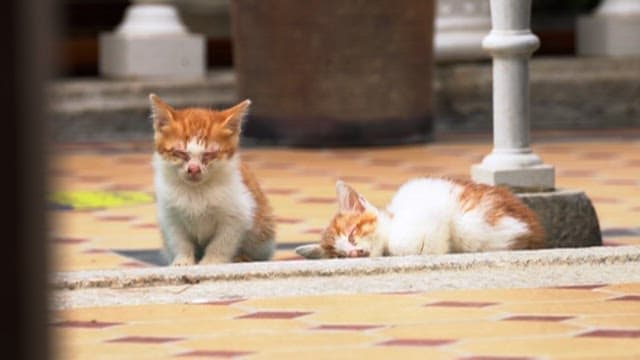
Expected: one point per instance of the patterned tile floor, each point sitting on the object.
(585, 322)
(598, 322)
(300, 185)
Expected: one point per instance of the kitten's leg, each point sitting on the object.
(224, 245)
(178, 244)
(185, 253)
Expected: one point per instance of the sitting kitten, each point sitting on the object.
(210, 207)
(429, 216)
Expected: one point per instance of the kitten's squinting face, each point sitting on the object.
(353, 231)
(351, 234)
(194, 140)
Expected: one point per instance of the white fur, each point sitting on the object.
(428, 218)
(215, 213)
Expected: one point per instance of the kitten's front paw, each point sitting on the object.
(183, 261)
(212, 260)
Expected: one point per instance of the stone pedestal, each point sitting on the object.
(460, 26)
(151, 42)
(612, 30)
(533, 178)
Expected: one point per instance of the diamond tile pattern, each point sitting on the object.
(590, 326)
(583, 321)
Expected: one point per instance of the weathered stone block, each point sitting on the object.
(567, 216)
(170, 55)
(608, 35)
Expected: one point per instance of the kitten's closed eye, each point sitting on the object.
(182, 155)
(210, 155)
(352, 238)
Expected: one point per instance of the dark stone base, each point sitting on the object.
(568, 217)
(337, 132)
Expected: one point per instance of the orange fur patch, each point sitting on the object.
(504, 203)
(263, 221)
(359, 224)
(208, 126)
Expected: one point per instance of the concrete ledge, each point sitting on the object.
(521, 269)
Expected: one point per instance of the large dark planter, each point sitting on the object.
(335, 72)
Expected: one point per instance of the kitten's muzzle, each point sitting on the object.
(358, 253)
(194, 169)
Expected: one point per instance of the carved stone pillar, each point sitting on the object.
(511, 43)
(151, 41)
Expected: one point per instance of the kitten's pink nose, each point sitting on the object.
(358, 253)
(194, 169)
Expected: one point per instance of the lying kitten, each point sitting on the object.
(429, 216)
(210, 206)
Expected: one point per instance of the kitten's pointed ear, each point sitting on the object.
(313, 251)
(349, 199)
(161, 112)
(235, 115)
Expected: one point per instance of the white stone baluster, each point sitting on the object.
(151, 42)
(511, 43)
(612, 30)
(460, 27)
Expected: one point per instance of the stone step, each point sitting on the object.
(566, 93)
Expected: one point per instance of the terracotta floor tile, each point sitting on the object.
(365, 315)
(321, 303)
(612, 333)
(194, 329)
(71, 336)
(290, 340)
(151, 313)
(481, 329)
(628, 289)
(214, 354)
(119, 351)
(348, 353)
(569, 308)
(515, 295)
(554, 347)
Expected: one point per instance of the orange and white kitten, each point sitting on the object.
(210, 207)
(429, 216)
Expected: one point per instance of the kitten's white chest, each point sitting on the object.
(200, 209)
